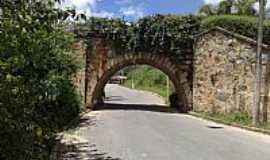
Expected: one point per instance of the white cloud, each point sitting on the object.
(82, 6)
(79, 4)
(82, 3)
(88, 7)
(214, 2)
(123, 2)
(131, 11)
(103, 14)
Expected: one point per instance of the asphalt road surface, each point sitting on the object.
(122, 95)
(135, 131)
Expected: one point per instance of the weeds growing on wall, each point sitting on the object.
(160, 33)
(169, 34)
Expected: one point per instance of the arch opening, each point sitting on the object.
(140, 85)
(108, 73)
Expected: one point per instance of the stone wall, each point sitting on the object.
(104, 60)
(218, 77)
(224, 73)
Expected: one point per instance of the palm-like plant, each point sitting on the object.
(207, 10)
(225, 7)
(245, 7)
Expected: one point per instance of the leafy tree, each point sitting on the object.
(225, 7)
(237, 7)
(207, 10)
(37, 96)
(245, 7)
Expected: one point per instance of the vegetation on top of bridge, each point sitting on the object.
(159, 33)
(167, 33)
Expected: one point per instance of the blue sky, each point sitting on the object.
(135, 9)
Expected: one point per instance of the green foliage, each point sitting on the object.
(36, 63)
(230, 7)
(224, 7)
(149, 79)
(241, 118)
(238, 117)
(207, 10)
(244, 25)
(170, 34)
(62, 108)
(245, 7)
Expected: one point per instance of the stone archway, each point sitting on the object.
(103, 61)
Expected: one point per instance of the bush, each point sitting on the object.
(62, 109)
(36, 64)
(244, 25)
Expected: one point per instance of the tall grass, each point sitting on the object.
(149, 79)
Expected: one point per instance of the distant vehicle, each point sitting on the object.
(117, 79)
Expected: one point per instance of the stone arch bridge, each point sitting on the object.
(104, 60)
(216, 75)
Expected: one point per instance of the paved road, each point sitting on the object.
(122, 95)
(140, 132)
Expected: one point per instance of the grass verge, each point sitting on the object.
(237, 119)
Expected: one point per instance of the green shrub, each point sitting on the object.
(36, 65)
(61, 110)
(240, 117)
(244, 25)
(237, 117)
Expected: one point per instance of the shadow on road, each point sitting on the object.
(115, 98)
(79, 151)
(140, 107)
(82, 121)
(72, 146)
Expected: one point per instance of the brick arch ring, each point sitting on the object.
(111, 63)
